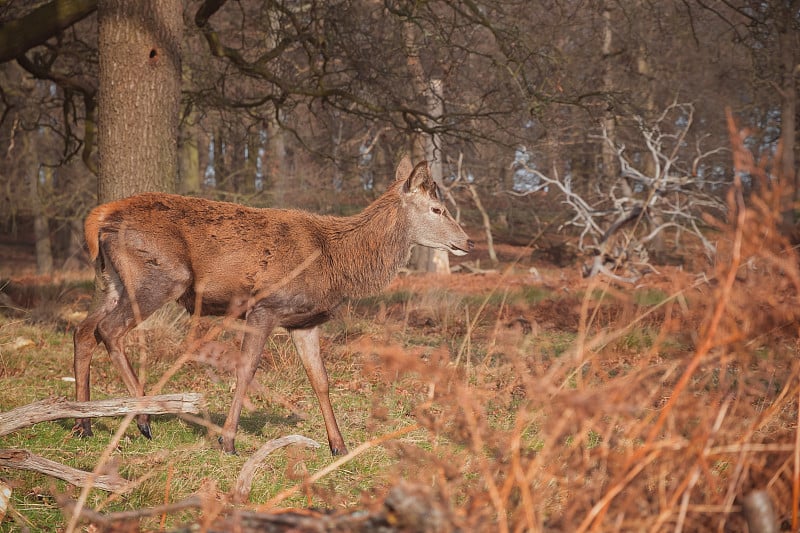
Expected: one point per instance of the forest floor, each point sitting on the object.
(526, 398)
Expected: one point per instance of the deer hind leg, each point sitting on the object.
(152, 289)
(258, 325)
(306, 341)
(112, 332)
(108, 288)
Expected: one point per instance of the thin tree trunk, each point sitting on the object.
(487, 224)
(75, 254)
(251, 164)
(427, 259)
(41, 225)
(788, 39)
(189, 162)
(221, 168)
(276, 165)
(611, 167)
(139, 98)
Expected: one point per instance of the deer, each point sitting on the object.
(268, 267)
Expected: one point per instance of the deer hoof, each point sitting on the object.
(339, 450)
(144, 429)
(231, 451)
(82, 430)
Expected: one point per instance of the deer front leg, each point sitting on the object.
(306, 341)
(259, 324)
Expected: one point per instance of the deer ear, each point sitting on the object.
(420, 178)
(404, 168)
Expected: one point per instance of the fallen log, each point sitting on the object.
(58, 408)
(25, 460)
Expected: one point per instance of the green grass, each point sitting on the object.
(36, 372)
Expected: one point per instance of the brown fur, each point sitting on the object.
(271, 267)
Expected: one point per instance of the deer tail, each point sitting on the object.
(91, 231)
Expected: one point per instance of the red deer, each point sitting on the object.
(270, 267)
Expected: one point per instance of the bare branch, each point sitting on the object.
(20, 35)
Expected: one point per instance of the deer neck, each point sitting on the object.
(368, 249)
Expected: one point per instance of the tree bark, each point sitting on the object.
(138, 109)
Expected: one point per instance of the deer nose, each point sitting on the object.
(470, 245)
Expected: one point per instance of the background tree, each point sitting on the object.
(139, 46)
(294, 104)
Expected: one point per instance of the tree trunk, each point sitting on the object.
(788, 41)
(139, 97)
(75, 254)
(438, 260)
(222, 168)
(251, 163)
(657, 245)
(611, 167)
(41, 225)
(189, 157)
(276, 175)
(427, 259)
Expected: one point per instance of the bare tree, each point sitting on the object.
(618, 220)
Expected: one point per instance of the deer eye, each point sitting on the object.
(436, 210)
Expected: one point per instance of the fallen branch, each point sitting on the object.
(25, 460)
(194, 501)
(241, 491)
(361, 448)
(58, 408)
(407, 507)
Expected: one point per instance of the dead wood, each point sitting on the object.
(58, 408)
(241, 491)
(25, 460)
(128, 520)
(759, 512)
(407, 507)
